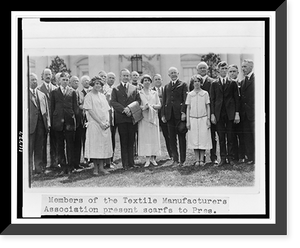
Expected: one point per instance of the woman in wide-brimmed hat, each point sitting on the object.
(98, 143)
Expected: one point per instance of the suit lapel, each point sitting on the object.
(122, 89)
(227, 83)
(130, 89)
(61, 93)
(220, 85)
(32, 98)
(175, 85)
(44, 90)
(247, 82)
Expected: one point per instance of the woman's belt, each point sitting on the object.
(196, 117)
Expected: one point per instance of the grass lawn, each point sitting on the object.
(162, 175)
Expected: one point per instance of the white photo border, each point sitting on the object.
(272, 100)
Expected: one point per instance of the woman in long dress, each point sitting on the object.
(148, 134)
(198, 121)
(98, 143)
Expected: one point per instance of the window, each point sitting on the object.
(189, 63)
(188, 72)
(83, 67)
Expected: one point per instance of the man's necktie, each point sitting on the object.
(36, 98)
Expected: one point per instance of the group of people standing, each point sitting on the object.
(191, 115)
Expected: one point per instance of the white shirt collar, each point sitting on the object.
(222, 79)
(62, 88)
(33, 90)
(203, 78)
(249, 74)
(47, 84)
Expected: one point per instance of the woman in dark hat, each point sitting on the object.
(98, 143)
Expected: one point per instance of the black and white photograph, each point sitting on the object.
(146, 120)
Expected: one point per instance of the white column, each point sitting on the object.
(41, 63)
(114, 66)
(167, 61)
(96, 64)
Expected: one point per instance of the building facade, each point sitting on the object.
(150, 64)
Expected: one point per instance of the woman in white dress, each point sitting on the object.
(148, 134)
(98, 143)
(198, 121)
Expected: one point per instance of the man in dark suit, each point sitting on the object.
(238, 135)
(202, 70)
(121, 96)
(74, 81)
(247, 110)
(85, 81)
(107, 90)
(47, 87)
(173, 112)
(63, 108)
(224, 111)
(39, 124)
(157, 79)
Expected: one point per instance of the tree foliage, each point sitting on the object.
(58, 65)
(212, 61)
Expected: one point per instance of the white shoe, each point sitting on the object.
(153, 162)
(147, 163)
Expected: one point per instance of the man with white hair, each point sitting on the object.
(107, 90)
(57, 76)
(174, 112)
(247, 109)
(47, 87)
(202, 70)
(74, 81)
(39, 124)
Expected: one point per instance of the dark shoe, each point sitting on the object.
(215, 162)
(133, 166)
(231, 162)
(222, 162)
(241, 160)
(175, 164)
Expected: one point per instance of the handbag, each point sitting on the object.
(136, 112)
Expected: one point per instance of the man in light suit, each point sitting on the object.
(39, 124)
(121, 96)
(107, 90)
(63, 108)
(47, 87)
(224, 100)
(173, 112)
(248, 109)
(202, 70)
